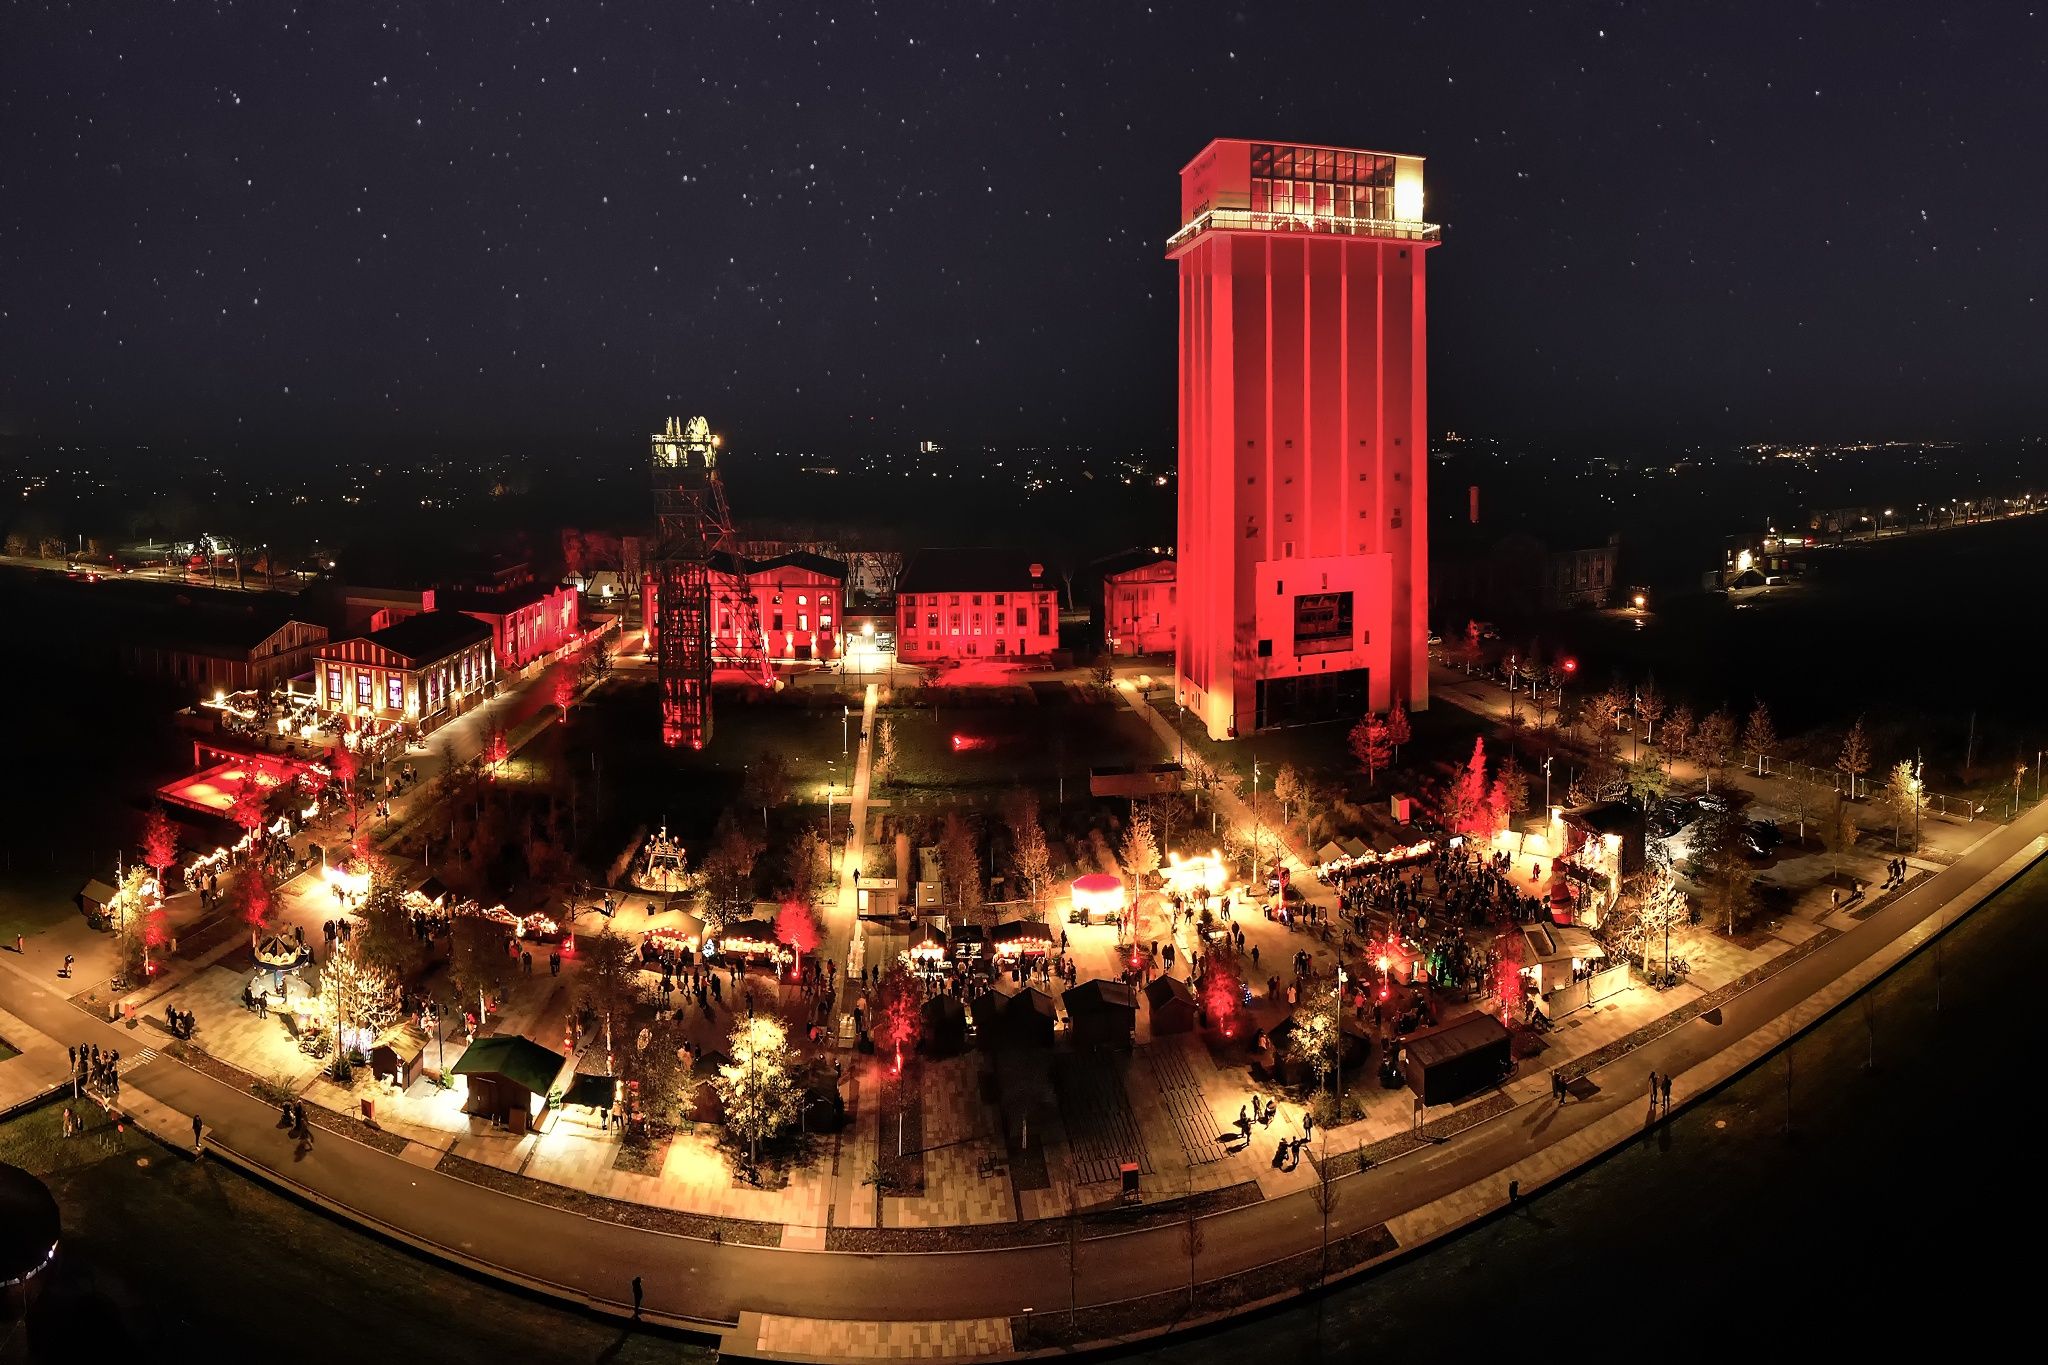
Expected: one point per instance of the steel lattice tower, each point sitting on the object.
(692, 524)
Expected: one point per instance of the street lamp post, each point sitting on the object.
(1546, 781)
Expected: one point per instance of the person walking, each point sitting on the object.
(639, 1296)
(1664, 1084)
(198, 1130)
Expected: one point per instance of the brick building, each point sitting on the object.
(967, 603)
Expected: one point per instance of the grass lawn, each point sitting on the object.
(616, 737)
(34, 902)
(974, 751)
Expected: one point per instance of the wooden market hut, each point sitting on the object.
(1171, 1004)
(509, 1078)
(1452, 1060)
(945, 1026)
(1023, 1020)
(1103, 1013)
(701, 1101)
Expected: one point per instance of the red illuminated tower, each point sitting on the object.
(1303, 578)
(693, 525)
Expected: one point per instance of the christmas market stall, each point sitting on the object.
(967, 946)
(508, 1079)
(1103, 1014)
(1451, 1061)
(399, 1059)
(749, 940)
(945, 1026)
(1020, 944)
(1098, 898)
(1170, 1002)
(1023, 1020)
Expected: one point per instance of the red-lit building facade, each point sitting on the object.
(954, 604)
(798, 604)
(421, 671)
(1302, 556)
(528, 622)
(1140, 610)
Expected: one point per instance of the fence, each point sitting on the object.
(1589, 990)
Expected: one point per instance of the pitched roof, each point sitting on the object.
(973, 569)
(1432, 1047)
(519, 1060)
(1162, 990)
(725, 562)
(431, 635)
(1093, 997)
(495, 603)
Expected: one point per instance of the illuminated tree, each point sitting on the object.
(1650, 706)
(1318, 1031)
(1901, 798)
(565, 692)
(807, 860)
(254, 900)
(1510, 793)
(342, 765)
(1647, 781)
(1510, 987)
(756, 1086)
(1803, 796)
(1290, 790)
(899, 1016)
(252, 795)
(1727, 882)
(608, 985)
(1612, 706)
(1399, 731)
(1678, 734)
(796, 928)
(1854, 760)
(479, 968)
(1711, 742)
(496, 750)
(362, 994)
(1653, 905)
(137, 928)
(960, 860)
(1029, 852)
(1222, 992)
(1465, 808)
(1759, 736)
(159, 845)
(656, 1070)
(597, 662)
(383, 933)
(1372, 745)
(729, 869)
(1140, 852)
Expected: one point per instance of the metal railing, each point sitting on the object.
(1246, 220)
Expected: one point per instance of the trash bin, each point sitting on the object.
(369, 1109)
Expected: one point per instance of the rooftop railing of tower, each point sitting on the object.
(1247, 220)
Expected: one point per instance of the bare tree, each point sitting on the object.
(1710, 743)
(1650, 706)
(1854, 760)
(1760, 737)
(1678, 730)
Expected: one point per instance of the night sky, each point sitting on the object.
(440, 225)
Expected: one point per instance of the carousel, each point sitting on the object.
(662, 863)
